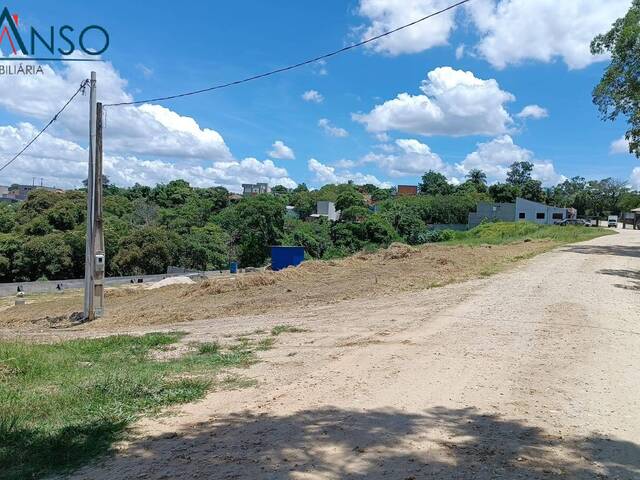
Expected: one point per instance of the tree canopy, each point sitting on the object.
(618, 93)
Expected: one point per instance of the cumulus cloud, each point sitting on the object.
(323, 174)
(63, 163)
(312, 96)
(495, 157)
(513, 31)
(147, 143)
(281, 151)
(533, 111)
(509, 31)
(621, 145)
(384, 15)
(332, 130)
(453, 103)
(407, 157)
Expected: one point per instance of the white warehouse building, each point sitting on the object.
(521, 211)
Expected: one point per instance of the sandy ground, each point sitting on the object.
(529, 374)
(387, 272)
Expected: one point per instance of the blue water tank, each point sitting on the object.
(283, 257)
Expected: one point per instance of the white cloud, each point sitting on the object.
(533, 111)
(383, 137)
(509, 31)
(460, 51)
(332, 130)
(513, 31)
(63, 163)
(146, 129)
(384, 15)
(320, 68)
(634, 180)
(147, 143)
(312, 96)
(620, 145)
(281, 151)
(324, 174)
(454, 103)
(495, 157)
(408, 157)
(147, 72)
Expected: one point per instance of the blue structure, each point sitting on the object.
(283, 257)
(233, 267)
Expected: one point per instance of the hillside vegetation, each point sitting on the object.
(482, 251)
(148, 229)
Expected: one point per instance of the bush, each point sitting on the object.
(434, 236)
(315, 237)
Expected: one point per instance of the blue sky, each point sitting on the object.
(529, 53)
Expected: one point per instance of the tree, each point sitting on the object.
(519, 173)
(254, 224)
(66, 215)
(477, 177)
(435, 183)
(304, 203)
(174, 193)
(405, 219)
(503, 192)
(354, 214)
(532, 190)
(349, 198)
(315, 237)
(46, 256)
(628, 201)
(7, 218)
(206, 248)
(147, 250)
(279, 190)
(378, 230)
(301, 188)
(619, 89)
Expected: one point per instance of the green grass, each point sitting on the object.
(66, 403)
(509, 232)
(278, 329)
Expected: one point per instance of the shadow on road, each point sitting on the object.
(383, 444)
(620, 250)
(633, 275)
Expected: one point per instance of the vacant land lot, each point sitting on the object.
(521, 375)
(529, 374)
(400, 268)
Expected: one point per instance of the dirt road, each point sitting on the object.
(529, 374)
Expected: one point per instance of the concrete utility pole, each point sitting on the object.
(91, 181)
(98, 234)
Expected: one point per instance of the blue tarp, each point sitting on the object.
(283, 257)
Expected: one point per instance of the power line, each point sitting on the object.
(291, 67)
(55, 117)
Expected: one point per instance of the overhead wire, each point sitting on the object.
(233, 83)
(290, 67)
(44, 129)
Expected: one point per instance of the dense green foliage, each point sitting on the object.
(618, 92)
(148, 229)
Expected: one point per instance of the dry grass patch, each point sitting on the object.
(399, 268)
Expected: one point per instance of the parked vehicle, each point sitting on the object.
(612, 221)
(578, 222)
